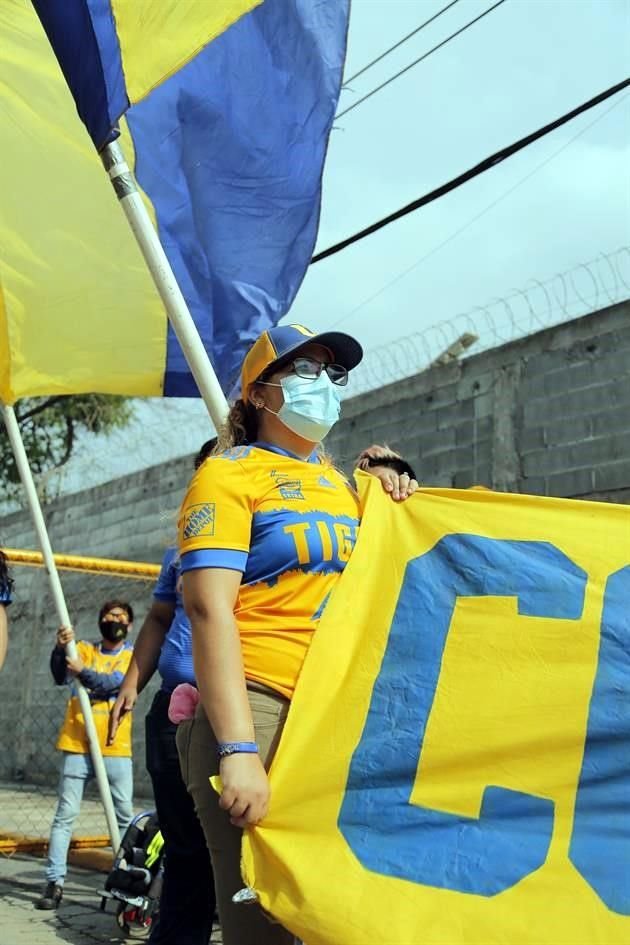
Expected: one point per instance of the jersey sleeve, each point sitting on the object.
(85, 652)
(165, 586)
(58, 666)
(216, 517)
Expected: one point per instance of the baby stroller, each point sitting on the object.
(135, 879)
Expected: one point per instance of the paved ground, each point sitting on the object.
(27, 810)
(78, 921)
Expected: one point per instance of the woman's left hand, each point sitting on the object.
(400, 487)
(75, 665)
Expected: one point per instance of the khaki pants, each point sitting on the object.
(245, 923)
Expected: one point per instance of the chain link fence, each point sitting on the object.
(32, 707)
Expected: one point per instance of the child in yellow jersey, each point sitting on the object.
(100, 667)
(265, 531)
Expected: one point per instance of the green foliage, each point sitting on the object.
(49, 427)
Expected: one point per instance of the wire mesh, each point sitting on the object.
(587, 288)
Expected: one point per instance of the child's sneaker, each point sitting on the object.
(51, 897)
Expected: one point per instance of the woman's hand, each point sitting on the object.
(125, 701)
(75, 665)
(245, 795)
(399, 485)
(64, 635)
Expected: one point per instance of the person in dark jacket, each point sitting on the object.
(164, 644)
(6, 584)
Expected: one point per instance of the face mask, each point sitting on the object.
(310, 408)
(112, 631)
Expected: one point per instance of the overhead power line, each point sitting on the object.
(460, 229)
(399, 43)
(462, 29)
(475, 171)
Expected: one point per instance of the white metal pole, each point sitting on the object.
(26, 476)
(183, 325)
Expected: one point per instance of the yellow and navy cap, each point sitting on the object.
(276, 343)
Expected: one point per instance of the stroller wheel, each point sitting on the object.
(133, 922)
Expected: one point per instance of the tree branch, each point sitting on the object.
(69, 442)
(50, 402)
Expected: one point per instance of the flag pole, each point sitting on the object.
(24, 469)
(126, 190)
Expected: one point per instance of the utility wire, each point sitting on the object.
(469, 223)
(399, 43)
(472, 172)
(462, 29)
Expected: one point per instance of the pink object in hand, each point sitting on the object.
(184, 699)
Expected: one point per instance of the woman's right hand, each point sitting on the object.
(245, 795)
(64, 636)
(126, 700)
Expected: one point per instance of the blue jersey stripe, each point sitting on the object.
(214, 558)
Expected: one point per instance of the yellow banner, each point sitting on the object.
(456, 763)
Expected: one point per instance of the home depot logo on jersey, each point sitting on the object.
(199, 520)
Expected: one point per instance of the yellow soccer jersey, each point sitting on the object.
(72, 736)
(289, 526)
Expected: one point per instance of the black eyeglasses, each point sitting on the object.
(310, 370)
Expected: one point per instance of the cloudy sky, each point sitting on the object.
(559, 203)
(526, 63)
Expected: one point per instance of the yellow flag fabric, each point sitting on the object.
(78, 309)
(454, 768)
(157, 39)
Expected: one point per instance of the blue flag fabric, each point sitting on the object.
(230, 151)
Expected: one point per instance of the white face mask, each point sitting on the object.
(311, 407)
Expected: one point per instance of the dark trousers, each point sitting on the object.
(188, 902)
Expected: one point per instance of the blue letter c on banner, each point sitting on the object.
(600, 844)
(511, 837)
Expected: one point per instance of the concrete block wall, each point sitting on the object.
(546, 415)
(549, 414)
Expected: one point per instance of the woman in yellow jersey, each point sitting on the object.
(266, 529)
(100, 667)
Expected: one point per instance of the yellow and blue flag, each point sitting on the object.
(231, 107)
(114, 52)
(455, 765)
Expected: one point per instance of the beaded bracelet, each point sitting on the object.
(236, 748)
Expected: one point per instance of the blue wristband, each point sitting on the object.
(236, 748)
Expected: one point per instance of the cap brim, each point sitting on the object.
(346, 350)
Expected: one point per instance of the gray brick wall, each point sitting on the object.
(549, 414)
